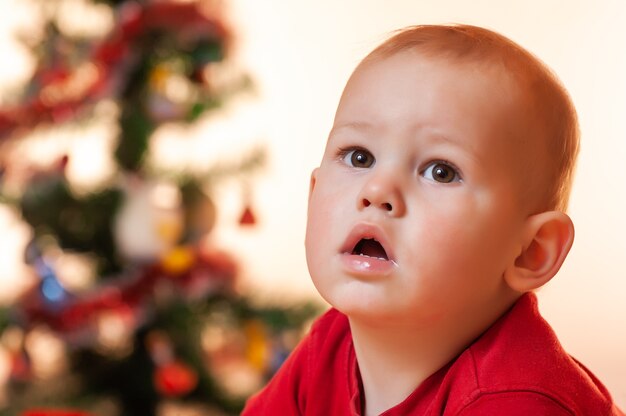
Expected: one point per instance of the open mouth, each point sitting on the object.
(369, 247)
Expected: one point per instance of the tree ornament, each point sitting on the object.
(21, 369)
(114, 328)
(52, 291)
(257, 348)
(20, 366)
(247, 217)
(172, 377)
(175, 379)
(200, 211)
(178, 261)
(150, 220)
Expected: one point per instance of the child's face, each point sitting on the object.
(422, 157)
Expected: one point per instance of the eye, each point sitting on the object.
(442, 172)
(358, 158)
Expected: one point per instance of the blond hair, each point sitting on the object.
(548, 100)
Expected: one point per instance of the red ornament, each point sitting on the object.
(20, 367)
(54, 412)
(247, 218)
(175, 379)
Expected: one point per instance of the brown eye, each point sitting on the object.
(360, 158)
(441, 172)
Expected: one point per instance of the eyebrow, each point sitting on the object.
(352, 125)
(460, 144)
(431, 136)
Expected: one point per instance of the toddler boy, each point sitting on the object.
(437, 210)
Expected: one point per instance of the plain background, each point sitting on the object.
(300, 54)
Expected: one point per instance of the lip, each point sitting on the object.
(363, 265)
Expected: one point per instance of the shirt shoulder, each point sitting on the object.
(520, 362)
(514, 403)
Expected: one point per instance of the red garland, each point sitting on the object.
(212, 272)
(53, 103)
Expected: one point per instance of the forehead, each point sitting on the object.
(408, 91)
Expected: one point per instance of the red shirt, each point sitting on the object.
(517, 367)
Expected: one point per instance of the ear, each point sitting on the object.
(312, 182)
(547, 238)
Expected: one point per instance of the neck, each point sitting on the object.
(395, 360)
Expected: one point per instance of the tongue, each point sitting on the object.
(372, 248)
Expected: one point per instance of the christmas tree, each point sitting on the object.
(133, 309)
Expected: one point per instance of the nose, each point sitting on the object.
(382, 191)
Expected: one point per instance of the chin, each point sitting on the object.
(358, 305)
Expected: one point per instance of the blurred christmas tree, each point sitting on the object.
(133, 310)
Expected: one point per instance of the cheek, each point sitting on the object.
(330, 198)
(462, 238)
(324, 210)
(320, 242)
(314, 229)
(320, 209)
